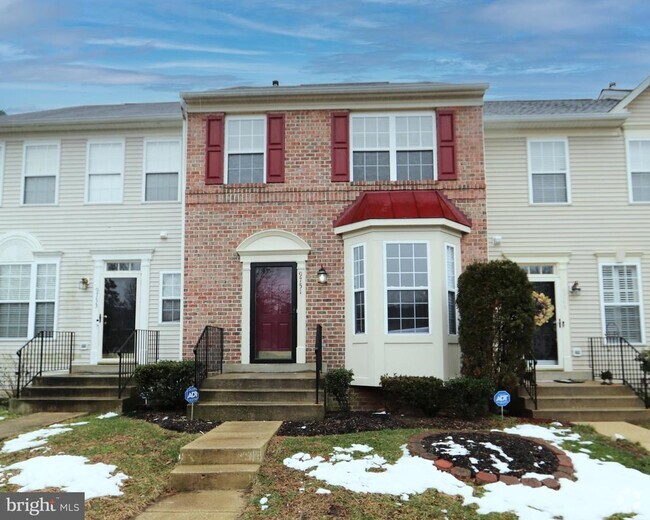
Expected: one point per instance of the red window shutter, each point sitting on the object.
(275, 148)
(446, 145)
(340, 147)
(214, 153)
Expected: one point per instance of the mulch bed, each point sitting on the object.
(174, 420)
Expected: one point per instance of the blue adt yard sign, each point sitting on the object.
(191, 395)
(502, 398)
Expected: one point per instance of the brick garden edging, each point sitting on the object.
(564, 470)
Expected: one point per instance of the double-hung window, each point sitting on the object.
(40, 174)
(27, 299)
(622, 301)
(170, 298)
(359, 275)
(105, 172)
(407, 287)
(639, 165)
(162, 162)
(549, 172)
(245, 145)
(452, 281)
(393, 147)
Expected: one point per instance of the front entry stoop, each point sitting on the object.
(214, 472)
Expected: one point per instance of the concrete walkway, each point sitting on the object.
(214, 472)
(631, 432)
(27, 423)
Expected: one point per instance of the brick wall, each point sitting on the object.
(219, 217)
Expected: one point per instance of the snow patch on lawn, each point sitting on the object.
(602, 488)
(69, 473)
(32, 439)
(108, 415)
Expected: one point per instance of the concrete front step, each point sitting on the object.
(213, 476)
(214, 504)
(263, 411)
(77, 380)
(271, 368)
(632, 415)
(104, 368)
(68, 404)
(75, 391)
(588, 388)
(587, 403)
(252, 381)
(230, 395)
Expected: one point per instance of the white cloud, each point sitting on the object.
(172, 46)
(9, 52)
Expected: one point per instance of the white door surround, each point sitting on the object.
(274, 245)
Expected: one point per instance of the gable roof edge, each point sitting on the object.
(622, 105)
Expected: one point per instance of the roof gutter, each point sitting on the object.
(599, 120)
(86, 124)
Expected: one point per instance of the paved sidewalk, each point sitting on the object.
(34, 421)
(631, 432)
(214, 504)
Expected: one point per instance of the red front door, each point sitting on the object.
(273, 302)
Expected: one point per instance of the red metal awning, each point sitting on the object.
(401, 205)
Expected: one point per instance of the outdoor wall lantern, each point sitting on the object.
(575, 288)
(84, 283)
(322, 276)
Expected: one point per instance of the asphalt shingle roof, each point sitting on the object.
(549, 107)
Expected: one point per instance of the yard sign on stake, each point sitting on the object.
(191, 396)
(501, 399)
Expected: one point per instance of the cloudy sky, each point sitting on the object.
(56, 53)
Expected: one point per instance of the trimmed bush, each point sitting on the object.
(164, 383)
(337, 384)
(412, 392)
(468, 397)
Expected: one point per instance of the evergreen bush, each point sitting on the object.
(164, 383)
(337, 384)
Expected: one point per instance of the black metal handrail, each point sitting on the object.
(529, 379)
(616, 355)
(208, 354)
(140, 348)
(318, 347)
(48, 351)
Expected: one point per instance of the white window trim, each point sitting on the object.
(629, 169)
(90, 142)
(603, 320)
(365, 292)
(386, 288)
(147, 141)
(567, 174)
(160, 300)
(31, 319)
(2, 168)
(26, 145)
(261, 117)
(392, 135)
(455, 288)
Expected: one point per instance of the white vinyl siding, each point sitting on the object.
(105, 172)
(27, 299)
(40, 173)
(162, 162)
(407, 288)
(170, 297)
(621, 298)
(389, 147)
(2, 167)
(639, 169)
(549, 172)
(359, 289)
(452, 281)
(245, 149)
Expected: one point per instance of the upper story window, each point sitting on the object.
(359, 275)
(407, 287)
(27, 299)
(621, 297)
(245, 145)
(549, 172)
(639, 166)
(105, 172)
(393, 147)
(162, 162)
(40, 173)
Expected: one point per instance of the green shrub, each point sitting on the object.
(411, 392)
(164, 383)
(337, 384)
(497, 321)
(468, 397)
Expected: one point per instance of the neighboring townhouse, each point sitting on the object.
(568, 186)
(90, 227)
(379, 187)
